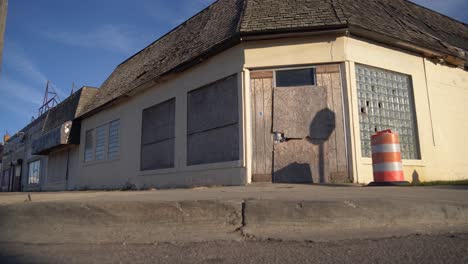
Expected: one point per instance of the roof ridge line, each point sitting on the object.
(241, 16)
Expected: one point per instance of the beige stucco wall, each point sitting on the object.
(440, 112)
(439, 101)
(448, 97)
(273, 53)
(126, 168)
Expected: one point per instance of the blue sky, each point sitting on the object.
(68, 41)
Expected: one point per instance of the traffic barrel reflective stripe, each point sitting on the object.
(387, 166)
(386, 157)
(386, 148)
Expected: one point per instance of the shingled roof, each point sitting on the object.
(67, 110)
(222, 25)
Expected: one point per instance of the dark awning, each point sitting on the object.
(55, 138)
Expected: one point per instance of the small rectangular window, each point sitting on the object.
(114, 142)
(99, 151)
(88, 153)
(295, 77)
(34, 172)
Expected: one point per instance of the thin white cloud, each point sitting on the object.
(17, 60)
(20, 92)
(108, 37)
(22, 83)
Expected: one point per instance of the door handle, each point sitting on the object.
(278, 137)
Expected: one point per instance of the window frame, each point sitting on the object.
(275, 78)
(38, 176)
(92, 132)
(144, 144)
(104, 143)
(189, 134)
(117, 153)
(415, 154)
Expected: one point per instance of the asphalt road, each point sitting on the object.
(448, 248)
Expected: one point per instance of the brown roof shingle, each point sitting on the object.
(223, 23)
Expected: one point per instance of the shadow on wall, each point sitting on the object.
(416, 179)
(320, 130)
(301, 171)
(294, 173)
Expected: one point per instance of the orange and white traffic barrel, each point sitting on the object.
(386, 159)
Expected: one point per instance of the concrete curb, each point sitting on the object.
(337, 220)
(158, 221)
(120, 222)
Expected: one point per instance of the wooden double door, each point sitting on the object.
(298, 132)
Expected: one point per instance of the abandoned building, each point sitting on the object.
(266, 90)
(40, 156)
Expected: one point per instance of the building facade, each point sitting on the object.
(40, 156)
(250, 91)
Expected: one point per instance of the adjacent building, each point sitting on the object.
(37, 158)
(278, 91)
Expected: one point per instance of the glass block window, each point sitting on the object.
(99, 151)
(386, 102)
(113, 142)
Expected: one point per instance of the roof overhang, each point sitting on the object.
(438, 56)
(56, 138)
(350, 30)
(341, 29)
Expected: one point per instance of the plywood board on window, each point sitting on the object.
(295, 108)
(212, 146)
(213, 106)
(159, 122)
(158, 155)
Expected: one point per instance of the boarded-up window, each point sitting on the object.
(100, 143)
(158, 136)
(295, 77)
(114, 139)
(88, 153)
(212, 124)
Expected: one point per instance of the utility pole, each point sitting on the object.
(3, 15)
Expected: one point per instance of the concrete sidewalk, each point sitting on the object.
(260, 211)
